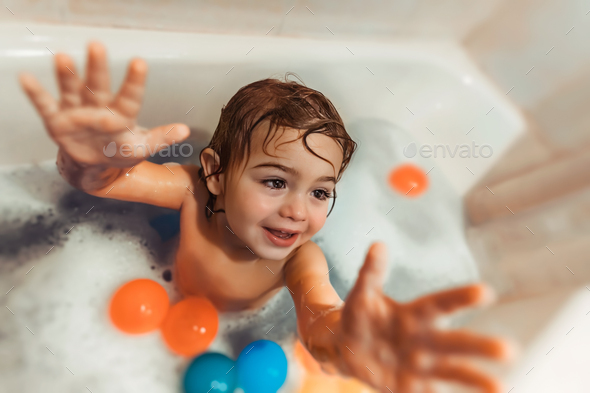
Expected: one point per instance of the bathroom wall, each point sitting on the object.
(538, 53)
(540, 50)
(372, 19)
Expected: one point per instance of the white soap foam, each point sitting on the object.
(63, 253)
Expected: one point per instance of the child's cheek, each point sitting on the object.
(258, 205)
(317, 222)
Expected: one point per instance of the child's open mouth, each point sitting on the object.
(280, 238)
(281, 234)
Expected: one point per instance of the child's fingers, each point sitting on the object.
(404, 380)
(369, 282)
(464, 374)
(168, 135)
(45, 104)
(68, 81)
(97, 90)
(129, 99)
(452, 300)
(372, 273)
(467, 343)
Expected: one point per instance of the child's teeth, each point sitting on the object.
(281, 234)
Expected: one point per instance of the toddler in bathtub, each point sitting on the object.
(247, 216)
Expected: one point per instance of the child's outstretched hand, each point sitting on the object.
(89, 117)
(396, 347)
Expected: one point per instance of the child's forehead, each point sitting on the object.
(283, 139)
(288, 144)
(276, 140)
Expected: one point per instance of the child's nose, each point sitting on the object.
(294, 208)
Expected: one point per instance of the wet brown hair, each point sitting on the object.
(285, 104)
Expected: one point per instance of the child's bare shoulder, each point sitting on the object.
(193, 171)
(307, 259)
(190, 176)
(307, 248)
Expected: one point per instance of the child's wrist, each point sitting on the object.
(321, 338)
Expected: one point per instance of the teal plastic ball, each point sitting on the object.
(210, 373)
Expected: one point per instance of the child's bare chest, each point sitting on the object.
(203, 269)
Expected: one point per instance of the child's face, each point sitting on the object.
(288, 192)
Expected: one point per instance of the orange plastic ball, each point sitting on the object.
(190, 326)
(139, 306)
(408, 180)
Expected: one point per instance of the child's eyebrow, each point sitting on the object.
(293, 171)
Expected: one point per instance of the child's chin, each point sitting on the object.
(274, 254)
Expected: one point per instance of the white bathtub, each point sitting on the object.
(425, 88)
(430, 93)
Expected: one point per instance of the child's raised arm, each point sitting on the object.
(317, 304)
(90, 125)
(391, 346)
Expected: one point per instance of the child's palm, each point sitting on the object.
(386, 342)
(88, 117)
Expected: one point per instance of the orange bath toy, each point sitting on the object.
(408, 180)
(190, 326)
(139, 306)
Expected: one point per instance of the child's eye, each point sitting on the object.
(275, 183)
(322, 195)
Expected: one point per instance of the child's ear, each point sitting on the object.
(210, 163)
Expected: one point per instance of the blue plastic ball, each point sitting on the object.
(262, 367)
(210, 373)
